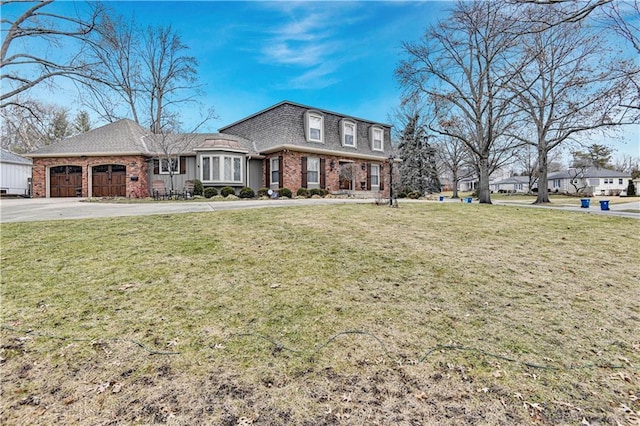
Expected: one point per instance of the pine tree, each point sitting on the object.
(418, 170)
(631, 189)
(82, 122)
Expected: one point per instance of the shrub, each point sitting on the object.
(631, 189)
(302, 192)
(284, 192)
(198, 189)
(402, 194)
(210, 192)
(315, 191)
(227, 190)
(263, 192)
(247, 192)
(414, 195)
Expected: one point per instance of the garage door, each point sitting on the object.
(65, 181)
(109, 180)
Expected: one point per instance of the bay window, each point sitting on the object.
(221, 168)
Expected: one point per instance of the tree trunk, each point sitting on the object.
(543, 190)
(455, 185)
(484, 192)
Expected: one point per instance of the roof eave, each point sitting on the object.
(314, 150)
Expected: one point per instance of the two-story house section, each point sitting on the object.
(306, 147)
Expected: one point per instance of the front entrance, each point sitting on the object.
(347, 175)
(109, 180)
(65, 181)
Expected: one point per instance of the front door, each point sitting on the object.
(65, 181)
(109, 180)
(347, 172)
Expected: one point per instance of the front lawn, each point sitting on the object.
(431, 313)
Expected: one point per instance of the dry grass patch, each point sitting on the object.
(350, 314)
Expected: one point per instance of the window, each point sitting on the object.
(313, 170)
(275, 172)
(314, 126)
(221, 168)
(375, 175)
(377, 139)
(164, 166)
(349, 132)
(556, 183)
(620, 181)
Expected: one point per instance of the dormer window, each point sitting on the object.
(349, 131)
(377, 139)
(314, 126)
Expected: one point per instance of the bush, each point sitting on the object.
(302, 192)
(198, 189)
(210, 192)
(247, 192)
(414, 195)
(227, 190)
(285, 192)
(263, 192)
(631, 189)
(316, 191)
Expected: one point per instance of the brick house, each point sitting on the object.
(287, 145)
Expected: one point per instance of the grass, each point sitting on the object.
(351, 314)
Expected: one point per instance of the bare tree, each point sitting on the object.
(27, 124)
(461, 66)
(22, 66)
(171, 141)
(453, 156)
(566, 88)
(571, 12)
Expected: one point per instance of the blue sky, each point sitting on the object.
(332, 55)
(337, 56)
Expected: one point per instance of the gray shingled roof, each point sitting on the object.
(121, 137)
(512, 180)
(591, 172)
(126, 137)
(10, 157)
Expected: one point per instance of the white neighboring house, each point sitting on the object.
(15, 173)
(592, 180)
(514, 184)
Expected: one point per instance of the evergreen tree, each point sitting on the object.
(631, 189)
(82, 122)
(59, 127)
(418, 169)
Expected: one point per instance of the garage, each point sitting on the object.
(109, 180)
(65, 181)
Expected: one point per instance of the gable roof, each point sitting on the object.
(123, 137)
(591, 172)
(11, 158)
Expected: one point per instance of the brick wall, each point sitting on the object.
(136, 166)
(292, 171)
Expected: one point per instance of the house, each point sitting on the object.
(287, 145)
(588, 181)
(513, 184)
(15, 174)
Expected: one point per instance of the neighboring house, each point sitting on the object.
(287, 145)
(513, 184)
(15, 174)
(590, 181)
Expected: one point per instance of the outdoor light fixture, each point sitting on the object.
(332, 164)
(363, 166)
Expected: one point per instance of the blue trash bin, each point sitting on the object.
(469, 200)
(604, 204)
(585, 203)
(441, 198)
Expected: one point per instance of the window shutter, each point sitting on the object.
(280, 172)
(304, 172)
(156, 166)
(267, 172)
(323, 174)
(183, 165)
(368, 176)
(381, 177)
